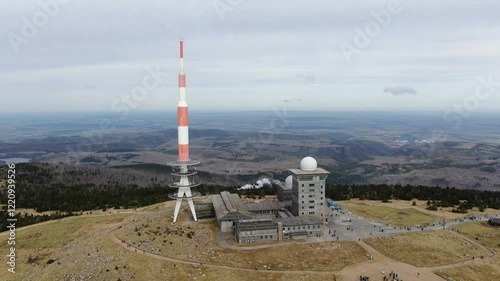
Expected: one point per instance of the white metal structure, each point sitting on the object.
(184, 170)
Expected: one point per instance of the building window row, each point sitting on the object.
(299, 227)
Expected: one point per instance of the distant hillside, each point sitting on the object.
(238, 148)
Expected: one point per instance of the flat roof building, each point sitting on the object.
(269, 209)
(256, 230)
(228, 209)
(301, 227)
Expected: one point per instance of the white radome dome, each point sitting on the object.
(308, 164)
(288, 182)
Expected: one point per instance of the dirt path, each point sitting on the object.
(476, 260)
(194, 263)
(374, 268)
(382, 263)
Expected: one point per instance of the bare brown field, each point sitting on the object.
(154, 233)
(429, 248)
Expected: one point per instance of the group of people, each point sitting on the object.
(393, 276)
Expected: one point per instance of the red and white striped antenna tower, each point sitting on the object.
(184, 170)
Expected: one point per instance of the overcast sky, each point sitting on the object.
(250, 54)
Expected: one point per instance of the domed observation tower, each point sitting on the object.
(184, 169)
(308, 164)
(308, 189)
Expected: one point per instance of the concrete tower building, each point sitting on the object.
(308, 189)
(184, 170)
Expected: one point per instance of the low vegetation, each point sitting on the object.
(476, 272)
(483, 233)
(486, 235)
(387, 214)
(78, 248)
(43, 247)
(154, 233)
(429, 248)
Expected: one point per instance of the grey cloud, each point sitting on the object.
(401, 91)
(292, 100)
